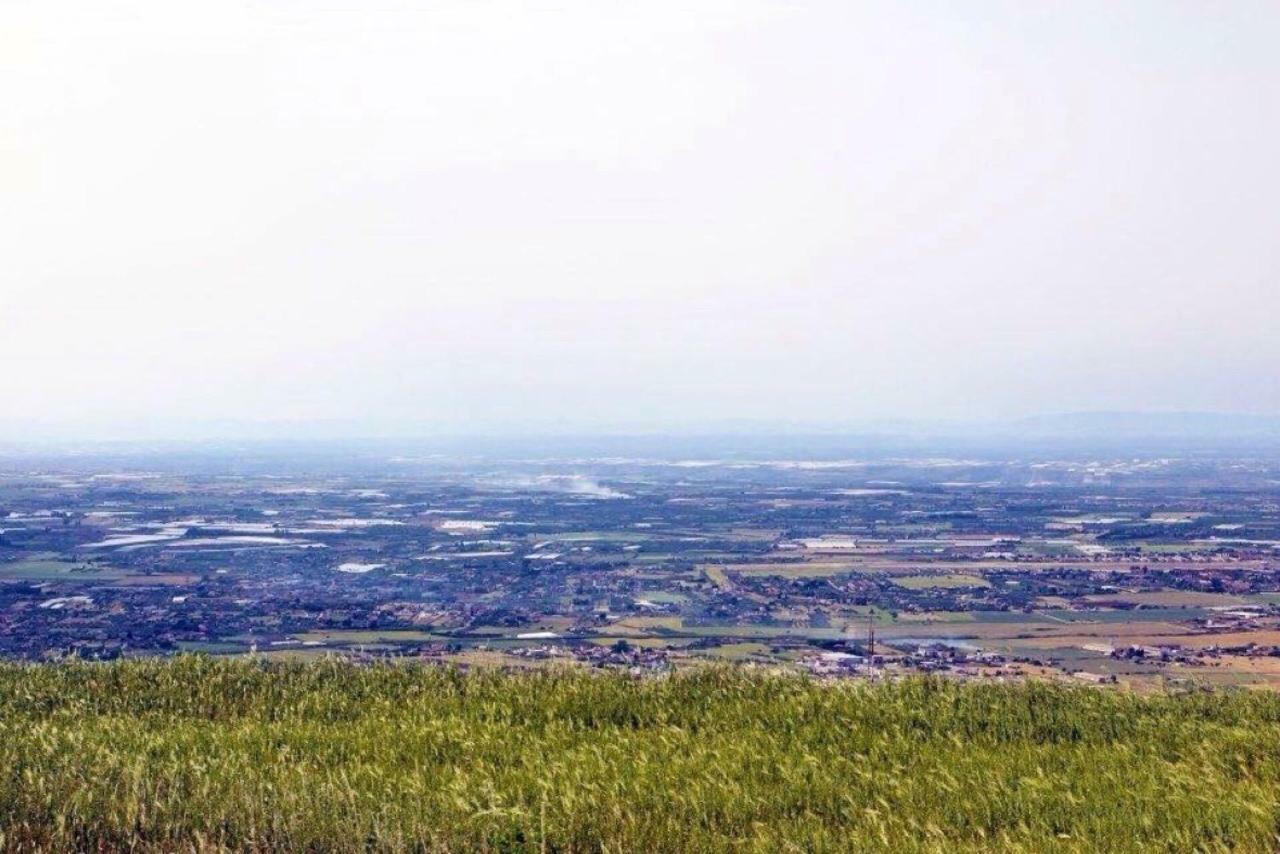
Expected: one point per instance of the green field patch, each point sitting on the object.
(924, 582)
(1005, 617)
(645, 642)
(663, 597)
(51, 567)
(756, 631)
(391, 636)
(737, 651)
(1129, 615)
(588, 537)
(812, 569)
(664, 577)
(1169, 598)
(1169, 548)
(650, 623)
(938, 617)
(1050, 549)
(856, 616)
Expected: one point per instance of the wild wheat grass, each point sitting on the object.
(198, 754)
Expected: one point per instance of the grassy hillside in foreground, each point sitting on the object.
(197, 754)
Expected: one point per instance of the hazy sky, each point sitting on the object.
(481, 215)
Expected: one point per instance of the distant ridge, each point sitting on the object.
(1073, 433)
(1170, 425)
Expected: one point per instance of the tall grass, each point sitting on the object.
(204, 754)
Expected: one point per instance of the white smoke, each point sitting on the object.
(568, 484)
(579, 485)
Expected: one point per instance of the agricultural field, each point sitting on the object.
(924, 582)
(52, 567)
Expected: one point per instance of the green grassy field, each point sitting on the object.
(207, 754)
(51, 567)
(923, 582)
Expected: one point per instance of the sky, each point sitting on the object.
(507, 216)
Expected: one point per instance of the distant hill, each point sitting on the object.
(1071, 433)
(1179, 425)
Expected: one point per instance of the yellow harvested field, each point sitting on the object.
(642, 624)
(1037, 634)
(808, 569)
(1261, 637)
(716, 576)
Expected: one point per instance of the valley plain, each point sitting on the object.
(1138, 572)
